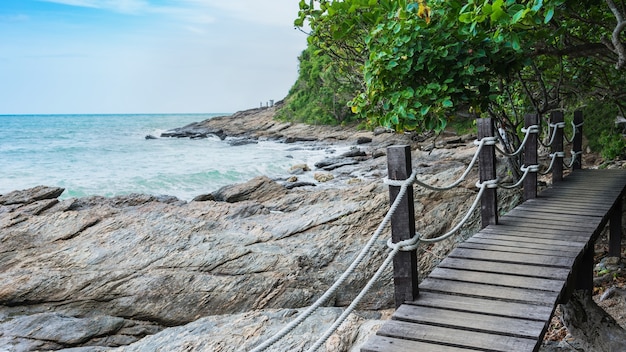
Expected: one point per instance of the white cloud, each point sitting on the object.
(277, 12)
(123, 6)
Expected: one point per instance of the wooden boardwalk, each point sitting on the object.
(498, 290)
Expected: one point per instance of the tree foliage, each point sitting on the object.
(416, 64)
(320, 94)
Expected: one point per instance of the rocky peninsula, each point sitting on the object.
(226, 271)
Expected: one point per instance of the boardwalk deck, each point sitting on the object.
(498, 290)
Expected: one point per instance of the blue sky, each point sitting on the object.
(145, 56)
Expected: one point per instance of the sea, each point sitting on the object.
(108, 155)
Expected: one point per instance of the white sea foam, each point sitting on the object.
(108, 155)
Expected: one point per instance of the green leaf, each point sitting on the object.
(447, 103)
(549, 15)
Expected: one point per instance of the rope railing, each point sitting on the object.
(527, 132)
(575, 131)
(328, 294)
(411, 244)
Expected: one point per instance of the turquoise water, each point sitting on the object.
(108, 155)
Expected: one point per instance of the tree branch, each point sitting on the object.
(618, 46)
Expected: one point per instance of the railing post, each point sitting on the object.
(557, 146)
(530, 157)
(487, 168)
(584, 277)
(577, 146)
(615, 230)
(405, 276)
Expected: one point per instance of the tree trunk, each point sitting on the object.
(591, 326)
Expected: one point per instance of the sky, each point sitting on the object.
(146, 56)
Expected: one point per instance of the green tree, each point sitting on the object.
(421, 63)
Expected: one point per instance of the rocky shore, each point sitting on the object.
(226, 271)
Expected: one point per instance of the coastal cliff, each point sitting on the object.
(226, 271)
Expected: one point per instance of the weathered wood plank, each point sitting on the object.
(561, 243)
(506, 268)
(513, 294)
(498, 279)
(388, 344)
(539, 204)
(470, 321)
(528, 245)
(532, 259)
(547, 224)
(573, 236)
(540, 214)
(512, 248)
(524, 226)
(484, 306)
(454, 337)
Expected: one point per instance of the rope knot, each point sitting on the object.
(558, 125)
(530, 168)
(488, 184)
(486, 141)
(405, 245)
(531, 129)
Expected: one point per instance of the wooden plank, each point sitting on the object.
(539, 214)
(470, 321)
(513, 294)
(539, 205)
(498, 279)
(484, 306)
(387, 344)
(517, 225)
(531, 259)
(505, 268)
(548, 224)
(454, 337)
(528, 245)
(520, 237)
(548, 234)
(511, 248)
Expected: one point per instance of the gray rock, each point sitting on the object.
(363, 140)
(260, 188)
(31, 195)
(242, 141)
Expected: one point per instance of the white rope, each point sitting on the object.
(406, 245)
(480, 144)
(553, 156)
(554, 126)
(527, 131)
(573, 159)
(575, 131)
(526, 170)
(300, 318)
(482, 187)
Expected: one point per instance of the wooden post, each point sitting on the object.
(615, 230)
(578, 139)
(584, 276)
(405, 276)
(487, 168)
(530, 157)
(557, 146)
